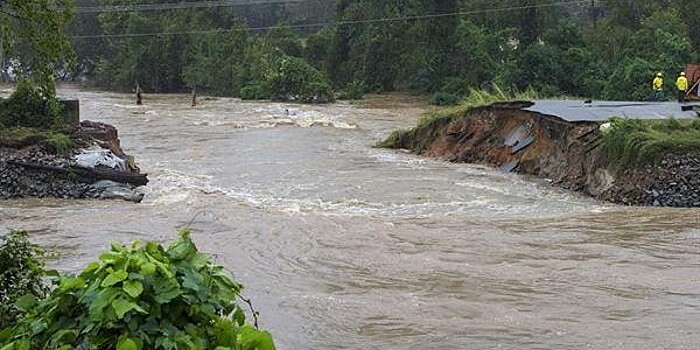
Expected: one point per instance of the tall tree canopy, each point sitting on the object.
(600, 48)
(32, 39)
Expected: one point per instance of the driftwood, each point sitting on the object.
(90, 175)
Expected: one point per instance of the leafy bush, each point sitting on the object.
(353, 91)
(631, 81)
(254, 92)
(141, 297)
(21, 272)
(26, 107)
(444, 99)
(296, 80)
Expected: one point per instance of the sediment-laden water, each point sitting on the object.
(344, 246)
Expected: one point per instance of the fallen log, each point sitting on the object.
(90, 175)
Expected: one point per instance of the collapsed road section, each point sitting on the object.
(568, 143)
(94, 166)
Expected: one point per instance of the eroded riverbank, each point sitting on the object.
(572, 154)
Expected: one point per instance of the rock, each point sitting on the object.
(18, 181)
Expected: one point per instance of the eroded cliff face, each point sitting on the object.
(571, 154)
(513, 139)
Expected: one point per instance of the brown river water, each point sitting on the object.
(344, 246)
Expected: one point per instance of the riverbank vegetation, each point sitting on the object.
(27, 119)
(635, 142)
(143, 296)
(594, 49)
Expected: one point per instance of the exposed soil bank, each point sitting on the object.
(572, 155)
(94, 166)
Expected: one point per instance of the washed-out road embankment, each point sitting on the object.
(561, 141)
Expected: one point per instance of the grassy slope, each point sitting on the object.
(634, 142)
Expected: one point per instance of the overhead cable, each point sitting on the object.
(341, 23)
(176, 6)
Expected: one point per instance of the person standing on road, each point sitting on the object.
(682, 85)
(658, 86)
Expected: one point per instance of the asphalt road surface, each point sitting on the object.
(575, 110)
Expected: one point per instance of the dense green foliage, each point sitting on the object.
(140, 297)
(603, 49)
(28, 107)
(31, 32)
(633, 142)
(21, 272)
(210, 49)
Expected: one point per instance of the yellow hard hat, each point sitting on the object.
(682, 74)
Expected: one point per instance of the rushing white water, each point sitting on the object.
(345, 246)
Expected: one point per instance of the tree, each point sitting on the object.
(32, 35)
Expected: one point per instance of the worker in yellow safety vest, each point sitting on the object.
(658, 86)
(682, 85)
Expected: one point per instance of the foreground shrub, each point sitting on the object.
(21, 272)
(141, 297)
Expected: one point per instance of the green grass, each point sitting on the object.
(24, 137)
(478, 98)
(634, 142)
(61, 143)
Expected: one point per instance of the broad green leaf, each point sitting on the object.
(133, 288)
(111, 257)
(63, 336)
(121, 307)
(181, 249)
(70, 283)
(101, 299)
(167, 291)
(125, 343)
(119, 248)
(147, 268)
(92, 267)
(250, 338)
(114, 278)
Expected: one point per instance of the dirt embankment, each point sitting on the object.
(83, 162)
(572, 155)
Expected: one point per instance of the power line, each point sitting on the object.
(340, 23)
(177, 5)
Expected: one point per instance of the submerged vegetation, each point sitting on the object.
(144, 296)
(635, 142)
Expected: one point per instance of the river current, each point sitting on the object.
(345, 246)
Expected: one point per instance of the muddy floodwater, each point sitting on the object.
(344, 246)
